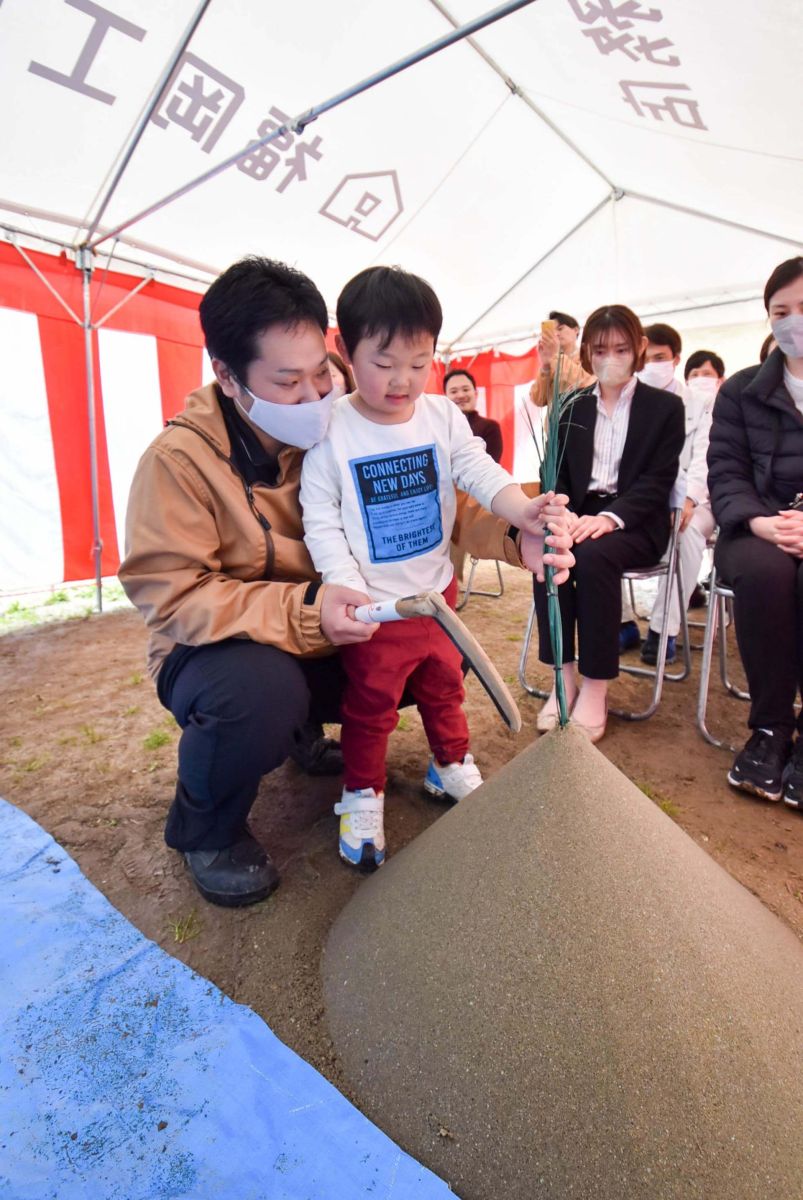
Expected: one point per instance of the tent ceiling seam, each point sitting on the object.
(300, 122)
(425, 203)
(717, 220)
(609, 199)
(519, 91)
(141, 124)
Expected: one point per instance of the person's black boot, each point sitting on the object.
(793, 777)
(316, 754)
(234, 876)
(759, 767)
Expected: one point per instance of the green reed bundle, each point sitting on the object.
(549, 459)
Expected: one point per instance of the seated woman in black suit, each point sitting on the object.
(620, 441)
(755, 476)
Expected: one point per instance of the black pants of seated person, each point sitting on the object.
(591, 599)
(768, 612)
(239, 705)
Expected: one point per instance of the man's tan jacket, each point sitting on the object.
(209, 557)
(572, 376)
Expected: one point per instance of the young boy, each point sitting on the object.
(378, 497)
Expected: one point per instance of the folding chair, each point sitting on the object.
(669, 568)
(720, 599)
(469, 591)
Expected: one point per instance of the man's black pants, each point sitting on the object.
(768, 611)
(239, 705)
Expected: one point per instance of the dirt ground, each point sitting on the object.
(89, 753)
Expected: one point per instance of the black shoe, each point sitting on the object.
(316, 754)
(629, 637)
(793, 777)
(759, 767)
(237, 875)
(698, 598)
(649, 650)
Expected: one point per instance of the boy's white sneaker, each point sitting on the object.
(362, 830)
(455, 780)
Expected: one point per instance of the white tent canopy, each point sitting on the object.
(576, 152)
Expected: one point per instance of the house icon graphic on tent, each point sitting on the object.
(366, 203)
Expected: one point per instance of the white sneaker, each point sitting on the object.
(455, 780)
(362, 830)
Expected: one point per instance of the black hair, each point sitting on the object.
(248, 298)
(564, 319)
(664, 335)
(387, 301)
(763, 353)
(784, 274)
(459, 371)
(700, 358)
(617, 319)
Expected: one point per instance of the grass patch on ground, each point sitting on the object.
(665, 805)
(184, 929)
(156, 738)
(62, 603)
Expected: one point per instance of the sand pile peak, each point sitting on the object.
(555, 992)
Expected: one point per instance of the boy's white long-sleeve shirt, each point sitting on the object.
(379, 500)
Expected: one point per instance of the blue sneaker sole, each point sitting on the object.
(369, 859)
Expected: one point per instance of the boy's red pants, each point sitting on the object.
(417, 655)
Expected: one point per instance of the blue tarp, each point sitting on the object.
(123, 1074)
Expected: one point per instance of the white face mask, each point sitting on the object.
(302, 425)
(703, 386)
(788, 333)
(613, 371)
(657, 374)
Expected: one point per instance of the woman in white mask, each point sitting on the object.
(620, 442)
(755, 477)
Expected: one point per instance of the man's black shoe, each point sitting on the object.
(698, 598)
(649, 649)
(237, 875)
(759, 767)
(316, 754)
(793, 777)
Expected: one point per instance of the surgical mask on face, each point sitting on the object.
(703, 386)
(788, 333)
(613, 371)
(657, 374)
(302, 425)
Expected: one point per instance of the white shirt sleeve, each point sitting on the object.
(473, 469)
(325, 538)
(697, 473)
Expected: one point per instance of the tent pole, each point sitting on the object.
(697, 212)
(84, 264)
(522, 95)
(297, 124)
(584, 221)
(150, 108)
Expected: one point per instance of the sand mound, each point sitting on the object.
(554, 992)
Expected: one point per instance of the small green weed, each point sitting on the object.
(404, 724)
(132, 711)
(91, 734)
(184, 929)
(136, 679)
(155, 739)
(665, 805)
(57, 598)
(33, 764)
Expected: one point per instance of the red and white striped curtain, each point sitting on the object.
(148, 357)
